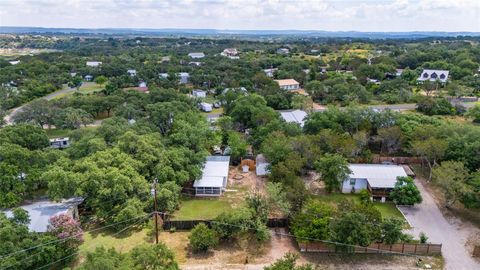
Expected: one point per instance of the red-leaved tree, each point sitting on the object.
(65, 227)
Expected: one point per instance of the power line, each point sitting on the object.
(77, 252)
(65, 239)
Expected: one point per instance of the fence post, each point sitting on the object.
(428, 248)
(403, 248)
(415, 252)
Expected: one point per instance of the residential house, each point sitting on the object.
(206, 107)
(16, 62)
(283, 51)
(41, 211)
(398, 72)
(288, 84)
(196, 55)
(294, 116)
(270, 72)
(434, 75)
(374, 81)
(132, 72)
(165, 59)
(199, 93)
(197, 64)
(231, 53)
(239, 89)
(261, 165)
(60, 143)
(214, 179)
(88, 78)
(378, 179)
(142, 87)
(93, 63)
(184, 77)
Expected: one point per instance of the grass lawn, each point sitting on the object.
(90, 87)
(122, 243)
(56, 133)
(195, 208)
(386, 209)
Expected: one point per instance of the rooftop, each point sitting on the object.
(286, 82)
(296, 116)
(41, 211)
(214, 171)
(377, 175)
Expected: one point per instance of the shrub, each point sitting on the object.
(202, 238)
(423, 238)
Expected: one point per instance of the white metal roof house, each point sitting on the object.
(196, 55)
(184, 77)
(239, 89)
(16, 62)
(93, 63)
(88, 78)
(199, 93)
(261, 165)
(206, 107)
(434, 75)
(288, 84)
(270, 71)
(40, 212)
(132, 72)
(214, 176)
(378, 179)
(295, 116)
(60, 143)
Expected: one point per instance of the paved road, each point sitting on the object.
(14, 111)
(426, 217)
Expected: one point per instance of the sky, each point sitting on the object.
(328, 15)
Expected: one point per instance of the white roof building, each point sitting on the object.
(199, 93)
(14, 62)
(40, 212)
(296, 116)
(214, 176)
(196, 55)
(93, 63)
(270, 71)
(434, 75)
(132, 72)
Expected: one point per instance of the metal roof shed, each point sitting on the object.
(214, 176)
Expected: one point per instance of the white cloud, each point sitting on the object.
(366, 15)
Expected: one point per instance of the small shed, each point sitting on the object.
(261, 165)
(206, 107)
(199, 93)
(60, 143)
(88, 78)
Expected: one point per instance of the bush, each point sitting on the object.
(202, 238)
(405, 192)
(423, 238)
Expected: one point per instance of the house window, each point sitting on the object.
(352, 182)
(434, 75)
(425, 75)
(442, 76)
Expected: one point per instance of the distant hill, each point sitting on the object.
(218, 32)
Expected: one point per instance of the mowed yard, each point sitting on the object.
(387, 209)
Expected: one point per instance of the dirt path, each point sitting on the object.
(453, 234)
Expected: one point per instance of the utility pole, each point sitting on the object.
(155, 208)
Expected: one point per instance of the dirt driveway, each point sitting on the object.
(453, 234)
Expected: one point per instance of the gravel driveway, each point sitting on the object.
(426, 217)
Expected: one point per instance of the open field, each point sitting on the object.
(90, 87)
(56, 133)
(200, 208)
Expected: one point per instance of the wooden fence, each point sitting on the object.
(397, 160)
(189, 224)
(420, 249)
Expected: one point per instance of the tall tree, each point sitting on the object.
(333, 169)
(451, 177)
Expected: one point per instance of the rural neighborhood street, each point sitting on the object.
(426, 217)
(14, 111)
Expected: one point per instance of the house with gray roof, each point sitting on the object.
(196, 55)
(434, 75)
(378, 179)
(41, 211)
(295, 116)
(214, 179)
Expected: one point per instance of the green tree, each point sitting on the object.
(353, 229)
(155, 257)
(288, 262)
(238, 145)
(28, 136)
(391, 230)
(313, 222)
(405, 192)
(202, 238)
(106, 259)
(451, 177)
(101, 80)
(431, 149)
(474, 113)
(333, 169)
